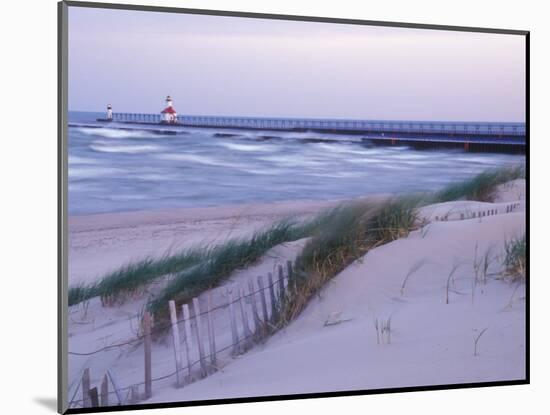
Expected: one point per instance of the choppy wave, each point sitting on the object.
(296, 160)
(118, 133)
(94, 172)
(246, 147)
(200, 159)
(346, 148)
(81, 160)
(112, 169)
(128, 149)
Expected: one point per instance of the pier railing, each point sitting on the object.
(365, 126)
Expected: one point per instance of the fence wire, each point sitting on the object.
(279, 299)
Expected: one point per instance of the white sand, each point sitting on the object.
(431, 342)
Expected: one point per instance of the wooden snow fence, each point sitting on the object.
(203, 335)
(508, 208)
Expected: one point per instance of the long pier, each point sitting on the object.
(470, 135)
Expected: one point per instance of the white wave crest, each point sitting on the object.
(128, 149)
(118, 133)
(200, 159)
(93, 172)
(81, 160)
(246, 147)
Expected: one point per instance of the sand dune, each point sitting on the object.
(432, 342)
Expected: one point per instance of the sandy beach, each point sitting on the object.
(432, 341)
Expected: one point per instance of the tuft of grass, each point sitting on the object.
(349, 232)
(481, 187)
(81, 292)
(515, 259)
(130, 279)
(415, 267)
(454, 268)
(476, 339)
(219, 262)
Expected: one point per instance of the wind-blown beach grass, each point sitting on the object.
(357, 228)
(515, 260)
(220, 261)
(480, 188)
(217, 261)
(339, 236)
(128, 280)
(352, 231)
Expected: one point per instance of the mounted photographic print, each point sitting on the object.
(257, 207)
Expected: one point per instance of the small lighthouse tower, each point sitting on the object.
(169, 115)
(109, 112)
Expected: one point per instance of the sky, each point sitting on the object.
(235, 66)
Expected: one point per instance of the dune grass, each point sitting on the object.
(191, 264)
(352, 231)
(515, 259)
(339, 236)
(130, 279)
(220, 261)
(356, 228)
(480, 188)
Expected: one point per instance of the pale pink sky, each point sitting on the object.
(214, 65)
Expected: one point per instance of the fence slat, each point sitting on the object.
(86, 402)
(147, 352)
(94, 398)
(291, 277)
(104, 394)
(211, 337)
(134, 394)
(186, 315)
(281, 286)
(234, 332)
(272, 297)
(176, 339)
(198, 335)
(246, 328)
(254, 306)
(116, 388)
(263, 301)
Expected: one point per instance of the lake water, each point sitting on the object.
(114, 170)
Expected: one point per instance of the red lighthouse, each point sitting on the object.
(169, 115)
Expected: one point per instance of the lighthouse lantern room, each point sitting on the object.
(169, 115)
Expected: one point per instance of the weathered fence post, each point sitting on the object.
(234, 332)
(116, 388)
(281, 286)
(86, 402)
(246, 328)
(211, 337)
(94, 398)
(198, 335)
(186, 315)
(176, 338)
(263, 301)
(147, 357)
(134, 394)
(291, 277)
(272, 296)
(254, 306)
(104, 395)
